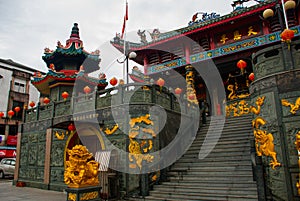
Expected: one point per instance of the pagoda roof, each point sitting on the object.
(42, 83)
(73, 50)
(188, 30)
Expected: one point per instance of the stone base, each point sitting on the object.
(87, 193)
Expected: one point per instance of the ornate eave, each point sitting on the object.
(44, 83)
(203, 26)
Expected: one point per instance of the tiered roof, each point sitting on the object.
(73, 53)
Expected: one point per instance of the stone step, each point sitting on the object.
(202, 190)
(212, 168)
(210, 184)
(224, 174)
(203, 196)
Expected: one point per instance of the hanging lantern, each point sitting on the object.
(160, 82)
(289, 5)
(192, 96)
(241, 64)
(121, 82)
(87, 90)
(113, 81)
(178, 91)
(46, 100)
(251, 76)
(32, 104)
(71, 127)
(17, 109)
(286, 36)
(65, 95)
(1, 114)
(10, 114)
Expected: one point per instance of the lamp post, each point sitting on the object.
(128, 55)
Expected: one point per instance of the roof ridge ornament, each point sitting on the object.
(205, 17)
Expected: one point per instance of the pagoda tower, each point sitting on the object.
(68, 69)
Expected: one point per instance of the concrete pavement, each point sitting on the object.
(8, 192)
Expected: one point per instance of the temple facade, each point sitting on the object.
(243, 65)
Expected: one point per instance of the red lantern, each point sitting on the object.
(10, 113)
(287, 35)
(241, 64)
(160, 82)
(1, 114)
(71, 127)
(251, 76)
(87, 90)
(65, 95)
(192, 96)
(17, 109)
(46, 100)
(32, 104)
(113, 81)
(178, 91)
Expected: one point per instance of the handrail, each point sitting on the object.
(132, 93)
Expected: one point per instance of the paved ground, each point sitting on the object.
(8, 192)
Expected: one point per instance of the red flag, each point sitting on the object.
(126, 12)
(125, 19)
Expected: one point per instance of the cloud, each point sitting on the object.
(27, 27)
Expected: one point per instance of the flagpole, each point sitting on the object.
(284, 15)
(124, 39)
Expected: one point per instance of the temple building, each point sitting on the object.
(213, 115)
(16, 91)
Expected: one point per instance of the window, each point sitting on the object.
(2, 129)
(13, 130)
(19, 87)
(19, 115)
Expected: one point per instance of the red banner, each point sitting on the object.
(7, 153)
(12, 140)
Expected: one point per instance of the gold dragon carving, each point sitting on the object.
(294, 107)
(232, 95)
(108, 131)
(190, 89)
(139, 152)
(264, 142)
(297, 143)
(80, 170)
(242, 107)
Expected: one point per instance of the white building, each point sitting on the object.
(16, 90)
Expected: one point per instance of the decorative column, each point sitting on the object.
(279, 83)
(190, 88)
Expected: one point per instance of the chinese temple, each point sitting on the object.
(213, 116)
(255, 50)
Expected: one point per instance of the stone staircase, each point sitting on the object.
(224, 174)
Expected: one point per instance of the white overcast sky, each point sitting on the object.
(28, 26)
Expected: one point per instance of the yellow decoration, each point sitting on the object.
(80, 170)
(237, 35)
(136, 153)
(223, 39)
(60, 136)
(297, 143)
(114, 129)
(137, 150)
(190, 89)
(242, 107)
(259, 102)
(264, 142)
(294, 107)
(233, 94)
(251, 31)
(145, 119)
